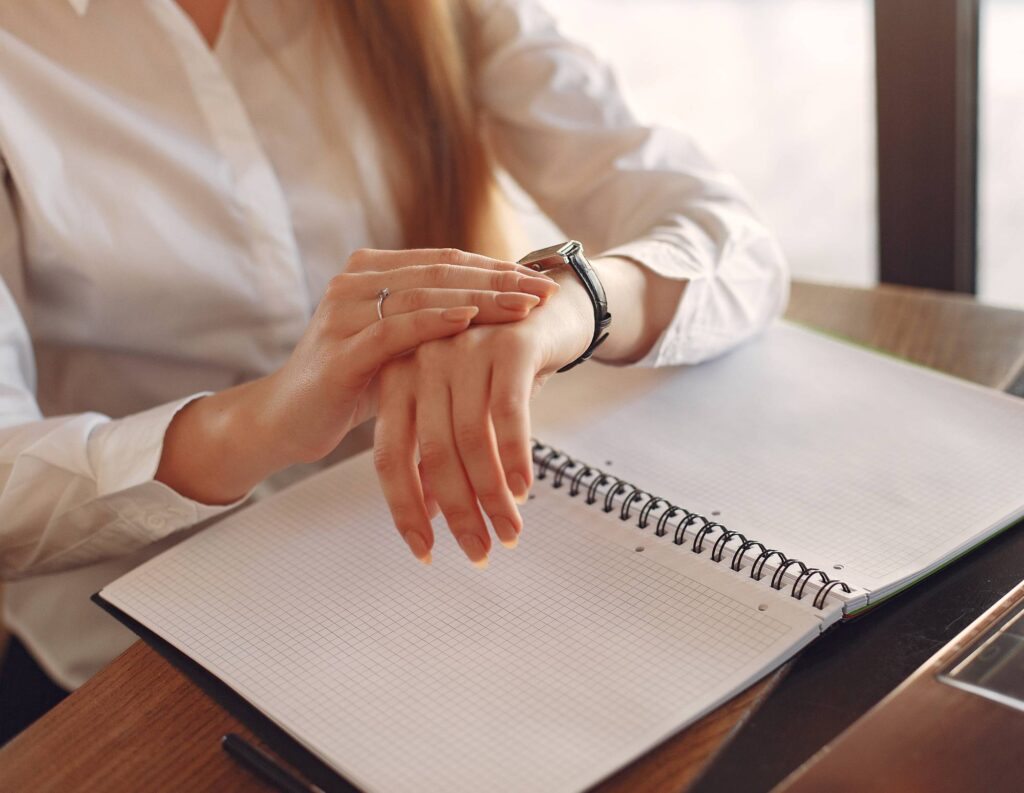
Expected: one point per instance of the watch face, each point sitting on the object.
(551, 257)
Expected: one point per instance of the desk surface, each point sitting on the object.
(928, 735)
(141, 725)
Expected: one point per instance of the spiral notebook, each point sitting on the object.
(688, 532)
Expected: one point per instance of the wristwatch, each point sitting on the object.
(570, 254)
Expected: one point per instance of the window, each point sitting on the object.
(1001, 154)
(779, 92)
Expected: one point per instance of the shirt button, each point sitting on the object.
(131, 511)
(155, 522)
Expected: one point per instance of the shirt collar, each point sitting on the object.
(81, 6)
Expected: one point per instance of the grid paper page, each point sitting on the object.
(564, 660)
(831, 453)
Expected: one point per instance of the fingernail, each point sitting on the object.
(516, 301)
(508, 534)
(418, 546)
(542, 287)
(460, 314)
(474, 549)
(520, 492)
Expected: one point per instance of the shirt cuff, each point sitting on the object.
(125, 454)
(665, 259)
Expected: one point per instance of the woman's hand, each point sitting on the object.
(219, 447)
(463, 402)
(320, 393)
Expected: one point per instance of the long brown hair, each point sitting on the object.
(413, 64)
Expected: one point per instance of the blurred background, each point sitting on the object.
(788, 94)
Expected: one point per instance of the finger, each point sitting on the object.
(475, 441)
(509, 405)
(394, 456)
(433, 508)
(393, 336)
(440, 462)
(367, 259)
(366, 286)
(495, 307)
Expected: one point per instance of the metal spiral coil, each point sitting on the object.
(549, 460)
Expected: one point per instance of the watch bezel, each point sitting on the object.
(553, 256)
(570, 254)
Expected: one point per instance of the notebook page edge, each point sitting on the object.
(877, 353)
(913, 577)
(655, 740)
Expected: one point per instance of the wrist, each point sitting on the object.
(217, 448)
(642, 302)
(574, 311)
(263, 420)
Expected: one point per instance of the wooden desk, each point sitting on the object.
(141, 725)
(926, 735)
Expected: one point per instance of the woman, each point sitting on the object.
(184, 182)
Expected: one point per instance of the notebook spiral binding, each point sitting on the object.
(550, 460)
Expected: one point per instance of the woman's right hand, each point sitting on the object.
(218, 447)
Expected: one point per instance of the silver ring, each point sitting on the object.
(381, 297)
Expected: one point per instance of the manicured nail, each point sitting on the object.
(508, 534)
(520, 492)
(542, 287)
(516, 301)
(460, 314)
(474, 549)
(418, 546)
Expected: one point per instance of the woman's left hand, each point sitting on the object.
(463, 402)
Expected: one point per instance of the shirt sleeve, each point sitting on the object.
(73, 489)
(560, 126)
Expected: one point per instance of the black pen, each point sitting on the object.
(264, 766)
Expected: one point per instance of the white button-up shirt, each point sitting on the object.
(171, 213)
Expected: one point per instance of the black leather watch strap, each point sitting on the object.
(571, 254)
